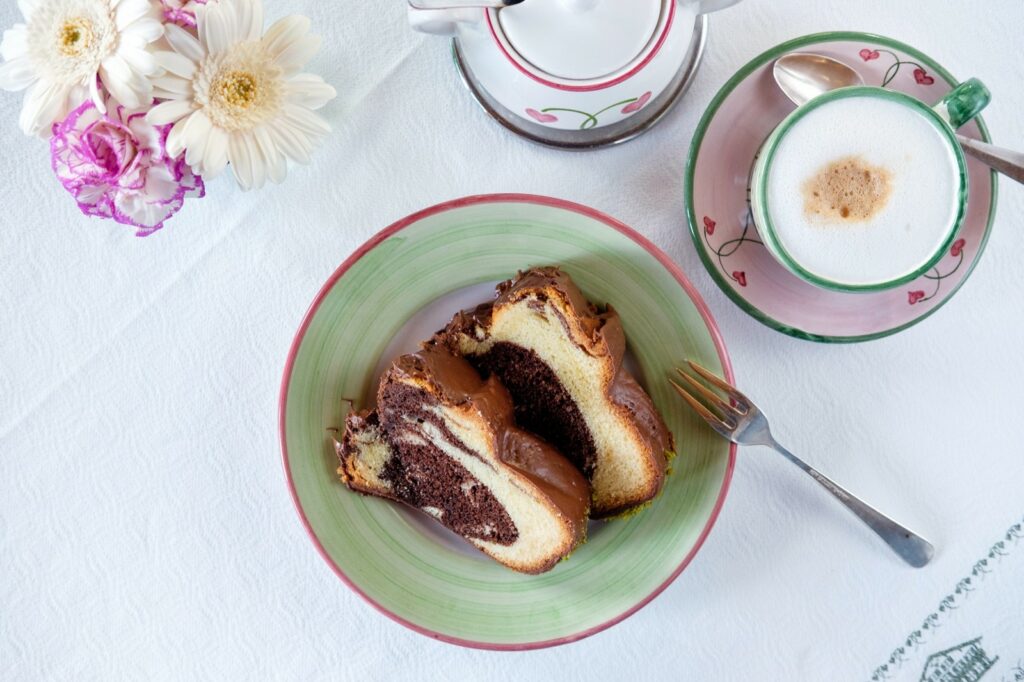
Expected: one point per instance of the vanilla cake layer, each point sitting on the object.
(561, 360)
(443, 441)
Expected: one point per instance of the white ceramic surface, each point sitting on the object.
(580, 39)
(614, 79)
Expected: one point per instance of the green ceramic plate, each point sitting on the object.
(379, 548)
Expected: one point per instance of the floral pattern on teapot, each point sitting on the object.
(629, 106)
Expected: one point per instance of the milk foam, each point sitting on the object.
(912, 225)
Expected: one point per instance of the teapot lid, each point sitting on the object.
(580, 39)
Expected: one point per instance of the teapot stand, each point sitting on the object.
(601, 136)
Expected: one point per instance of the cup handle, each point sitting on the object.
(707, 6)
(963, 103)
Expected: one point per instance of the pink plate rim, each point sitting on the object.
(398, 226)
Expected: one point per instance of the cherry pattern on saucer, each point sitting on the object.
(728, 247)
(956, 253)
(629, 106)
(740, 117)
(921, 76)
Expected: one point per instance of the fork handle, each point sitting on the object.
(910, 547)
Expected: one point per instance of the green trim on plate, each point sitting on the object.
(375, 545)
(709, 115)
(762, 169)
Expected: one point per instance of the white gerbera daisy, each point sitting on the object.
(65, 44)
(237, 97)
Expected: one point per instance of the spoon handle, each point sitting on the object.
(1007, 162)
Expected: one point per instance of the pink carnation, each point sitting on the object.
(116, 166)
(181, 12)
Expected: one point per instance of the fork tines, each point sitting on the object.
(715, 409)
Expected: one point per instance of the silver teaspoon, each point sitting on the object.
(802, 76)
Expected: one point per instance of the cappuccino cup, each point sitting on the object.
(862, 188)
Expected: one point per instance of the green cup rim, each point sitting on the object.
(762, 213)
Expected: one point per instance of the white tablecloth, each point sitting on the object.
(146, 531)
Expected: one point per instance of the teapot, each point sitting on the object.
(571, 65)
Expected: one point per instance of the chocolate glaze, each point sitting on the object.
(456, 383)
(603, 335)
(542, 405)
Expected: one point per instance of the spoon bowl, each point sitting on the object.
(803, 76)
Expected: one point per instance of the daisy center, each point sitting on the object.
(75, 36)
(237, 89)
(67, 40)
(240, 88)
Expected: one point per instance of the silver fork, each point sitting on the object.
(742, 422)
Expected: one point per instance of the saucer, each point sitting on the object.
(597, 137)
(741, 116)
(398, 288)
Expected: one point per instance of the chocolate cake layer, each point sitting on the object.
(606, 335)
(443, 440)
(424, 477)
(457, 383)
(542, 405)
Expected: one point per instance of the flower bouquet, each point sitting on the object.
(144, 100)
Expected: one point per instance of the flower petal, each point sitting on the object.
(169, 112)
(310, 91)
(176, 63)
(216, 155)
(296, 55)
(195, 147)
(194, 137)
(236, 17)
(17, 74)
(259, 163)
(142, 32)
(253, 28)
(98, 100)
(130, 11)
(140, 61)
(215, 31)
(175, 139)
(276, 163)
(15, 42)
(285, 32)
(27, 7)
(184, 43)
(241, 164)
(295, 145)
(45, 103)
(305, 120)
(117, 79)
(173, 88)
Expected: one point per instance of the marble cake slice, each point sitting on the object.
(561, 359)
(444, 441)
